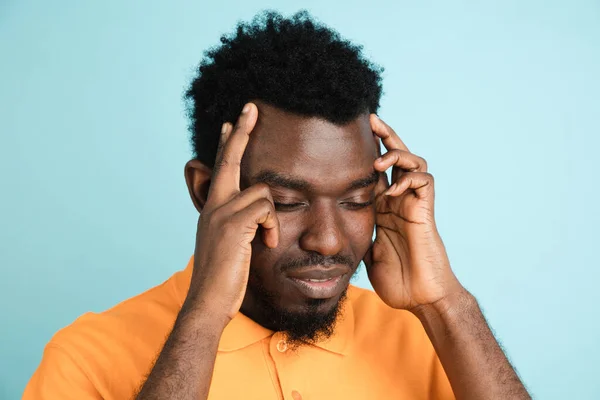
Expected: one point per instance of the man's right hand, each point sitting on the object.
(227, 226)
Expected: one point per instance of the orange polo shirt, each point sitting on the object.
(376, 352)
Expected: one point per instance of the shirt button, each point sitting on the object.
(296, 395)
(282, 346)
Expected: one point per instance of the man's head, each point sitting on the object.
(312, 145)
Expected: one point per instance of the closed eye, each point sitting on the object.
(283, 207)
(357, 206)
(288, 206)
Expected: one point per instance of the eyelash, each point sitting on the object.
(294, 206)
(357, 206)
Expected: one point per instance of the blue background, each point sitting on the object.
(502, 99)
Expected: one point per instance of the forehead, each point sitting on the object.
(317, 151)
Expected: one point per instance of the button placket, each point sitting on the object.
(284, 361)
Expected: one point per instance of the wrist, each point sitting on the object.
(448, 309)
(200, 315)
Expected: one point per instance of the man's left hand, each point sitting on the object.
(407, 264)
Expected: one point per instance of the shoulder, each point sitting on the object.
(119, 344)
(131, 320)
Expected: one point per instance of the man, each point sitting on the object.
(290, 191)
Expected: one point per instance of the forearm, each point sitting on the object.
(184, 367)
(476, 366)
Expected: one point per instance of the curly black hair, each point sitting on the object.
(295, 64)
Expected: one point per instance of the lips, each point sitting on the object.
(320, 282)
(319, 273)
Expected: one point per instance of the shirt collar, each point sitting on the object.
(242, 331)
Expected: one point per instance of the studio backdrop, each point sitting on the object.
(501, 98)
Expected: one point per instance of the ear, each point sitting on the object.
(197, 178)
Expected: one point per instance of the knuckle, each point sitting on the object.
(265, 204)
(265, 191)
(266, 207)
(405, 177)
(408, 178)
(229, 226)
(262, 188)
(210, 218)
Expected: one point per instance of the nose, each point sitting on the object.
(324, 233)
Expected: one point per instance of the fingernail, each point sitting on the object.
(391, 189)
(224, 128)
(246, 109)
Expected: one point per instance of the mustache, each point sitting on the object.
(313, 259)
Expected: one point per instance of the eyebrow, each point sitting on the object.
(273, 178)
(364, 182)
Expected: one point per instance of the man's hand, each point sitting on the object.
(227, 226)
(409, 269)
(407, 264)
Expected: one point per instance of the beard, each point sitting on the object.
(311, 323)
(309, 326)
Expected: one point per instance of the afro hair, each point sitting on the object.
(295, 64)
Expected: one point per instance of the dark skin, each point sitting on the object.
(333, 205)
(321, 208)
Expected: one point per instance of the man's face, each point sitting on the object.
(323, 184)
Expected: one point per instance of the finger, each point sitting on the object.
(389, 138)
(401, 159)
(246, 197)
(226, 176)
(226, 129)
(420, 182)
(225, 132)
(260, 213)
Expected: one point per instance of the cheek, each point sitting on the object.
(360, 231)
(264, 259)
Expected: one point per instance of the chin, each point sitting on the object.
(298, 303)
(312, 321)
(287, 309)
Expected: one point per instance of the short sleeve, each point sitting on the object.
(59, 377)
